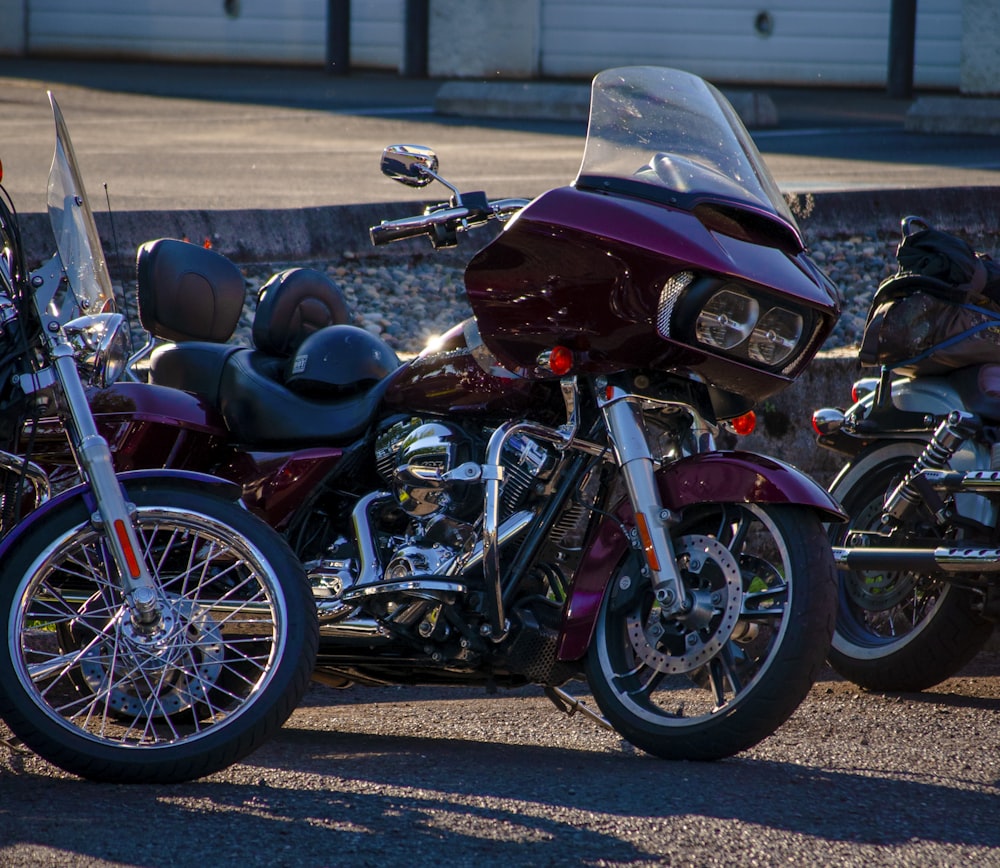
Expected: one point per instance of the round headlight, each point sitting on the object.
(100, 346)
(775, 336)
(115, 354)
(727, 319)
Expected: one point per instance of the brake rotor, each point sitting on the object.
(684, 642)
(879, 592)
(158, 675)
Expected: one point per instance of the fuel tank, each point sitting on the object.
(460, 377)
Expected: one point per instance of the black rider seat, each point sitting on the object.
(194, 298)
(259, 409)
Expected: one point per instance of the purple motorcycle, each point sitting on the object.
(537, 499)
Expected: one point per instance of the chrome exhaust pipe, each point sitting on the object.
(943, 559)
(355, 631)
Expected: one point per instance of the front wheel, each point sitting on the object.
(730, 670)
(896, 630)
(109, 699)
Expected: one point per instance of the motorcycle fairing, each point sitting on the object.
(710, 477)
(586, 270)
(670, 182)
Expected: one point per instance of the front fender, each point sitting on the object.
(134, 477)
(710, 477)
(742, 477)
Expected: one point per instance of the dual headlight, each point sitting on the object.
(733, 320)
(100, 346)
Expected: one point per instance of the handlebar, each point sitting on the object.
(443, 222)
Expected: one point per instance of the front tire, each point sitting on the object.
(101, 697)
(896, 631)
(728, 674)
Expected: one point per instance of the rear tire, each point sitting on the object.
(94, 694)
(733, 671)
(896, 631)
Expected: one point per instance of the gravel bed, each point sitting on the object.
(408, 300)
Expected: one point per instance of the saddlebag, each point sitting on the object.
(938, 312)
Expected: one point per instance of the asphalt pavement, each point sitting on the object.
(183, 136)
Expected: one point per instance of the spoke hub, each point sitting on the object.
(157, 674)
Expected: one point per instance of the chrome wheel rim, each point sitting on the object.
(91, 671)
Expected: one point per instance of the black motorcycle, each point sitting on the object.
(920, 558)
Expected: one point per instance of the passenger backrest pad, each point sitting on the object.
(292, 305)
(187, 292)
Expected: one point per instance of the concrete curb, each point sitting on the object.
(954, 114)
(289, 235)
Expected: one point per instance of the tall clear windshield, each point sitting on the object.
(77, 241)
(669, 136)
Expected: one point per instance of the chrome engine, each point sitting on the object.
(427, 523)
(411, 454)
(411, 578)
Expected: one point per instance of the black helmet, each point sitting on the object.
(339, 359)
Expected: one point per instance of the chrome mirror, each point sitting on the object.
(413, 165)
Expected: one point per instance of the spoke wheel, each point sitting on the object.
(724, 674)
(94, 691)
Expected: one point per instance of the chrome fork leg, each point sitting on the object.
(113, 512)
(628, 438)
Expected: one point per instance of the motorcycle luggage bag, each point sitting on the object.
(915, 330)
(939, 312)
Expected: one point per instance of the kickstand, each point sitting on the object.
(15, 744)
(570, 706)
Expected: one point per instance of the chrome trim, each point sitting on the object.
(941, 559)
(826, 420)
(32, 472)
(408, 587)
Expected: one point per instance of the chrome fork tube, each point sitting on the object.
(114, 514)
(628, 438)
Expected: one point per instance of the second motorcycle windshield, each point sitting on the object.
(670, 137)
(77, 241)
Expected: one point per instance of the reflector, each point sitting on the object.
(744, 424)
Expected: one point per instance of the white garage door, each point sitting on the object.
(791, 42)
(293, 31)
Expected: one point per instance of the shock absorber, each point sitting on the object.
(945, 442)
